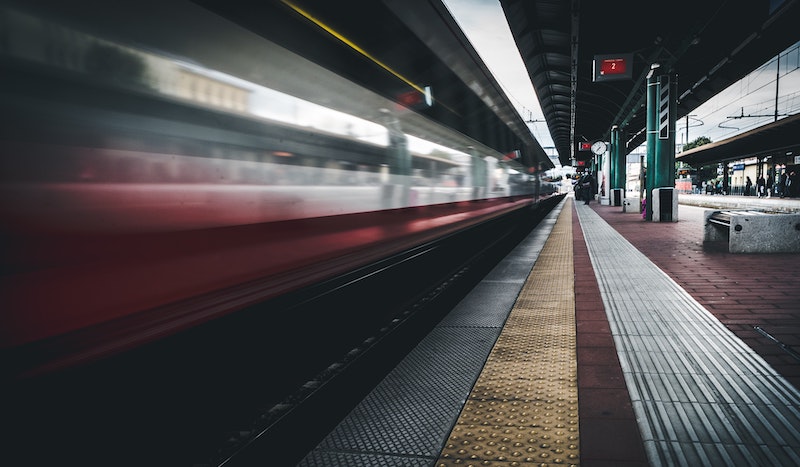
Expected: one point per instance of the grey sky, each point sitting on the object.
(484, 24)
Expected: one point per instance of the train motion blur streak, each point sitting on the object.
(153, 180)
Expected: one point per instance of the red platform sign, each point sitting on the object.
(613, 67)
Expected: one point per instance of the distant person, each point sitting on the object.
(791, 185)
(761, 187)
(747, 186)
(783, 183)
(587, 184)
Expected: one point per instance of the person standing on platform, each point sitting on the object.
(782, 184)
(747, 185)
(587, 187)
(791, 185)
(761, 186)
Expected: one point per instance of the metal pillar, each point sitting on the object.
(605, 166)
(665, 144)
(652, 137)
(661, 110)
(612, 157)
(616, 179)
(619, 168)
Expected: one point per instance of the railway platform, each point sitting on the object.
(600, 340)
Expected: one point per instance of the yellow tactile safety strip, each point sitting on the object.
(523, 409)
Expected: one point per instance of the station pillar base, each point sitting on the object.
(665, 205)
(632, 205)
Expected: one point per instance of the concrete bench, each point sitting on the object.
(753, 231)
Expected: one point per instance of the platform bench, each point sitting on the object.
(753, 231)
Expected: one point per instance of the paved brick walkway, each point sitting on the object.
(610, 436)
(746, 292)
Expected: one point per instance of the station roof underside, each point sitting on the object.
(708, 45)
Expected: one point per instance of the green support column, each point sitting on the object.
(612, 159)
(652, 137)
(616, 171)
(665, 143)
(661, 109)
(619, 169)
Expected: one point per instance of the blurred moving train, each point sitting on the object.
(156, 177)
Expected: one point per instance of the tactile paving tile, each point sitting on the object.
(701, 396)
(523, 410)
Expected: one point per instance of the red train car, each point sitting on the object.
(146, 190)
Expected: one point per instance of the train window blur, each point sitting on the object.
(124, 109)
(157, 157)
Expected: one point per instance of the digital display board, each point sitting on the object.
(612, 67)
